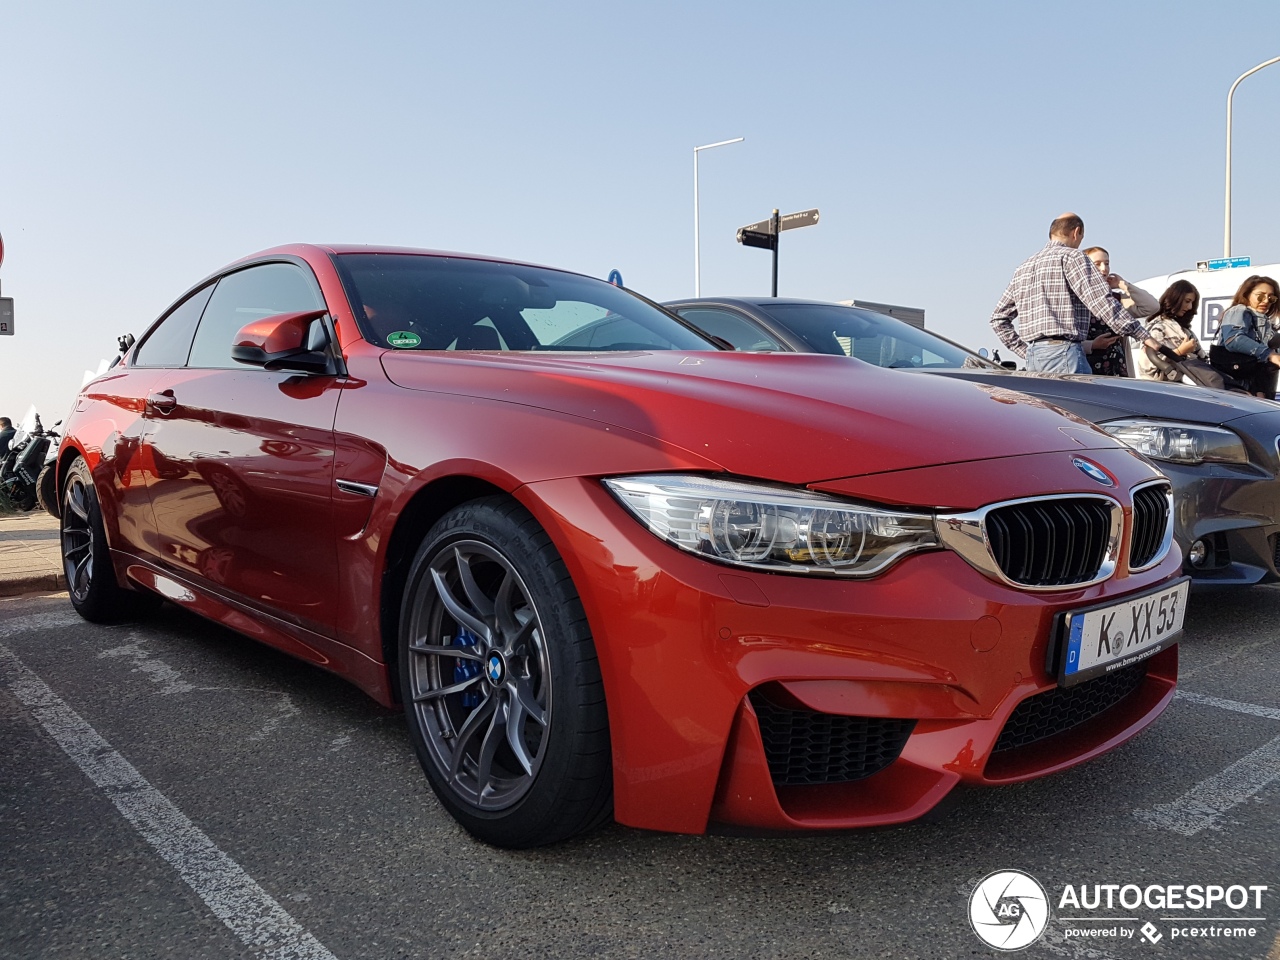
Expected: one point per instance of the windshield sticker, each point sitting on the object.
(403, 339)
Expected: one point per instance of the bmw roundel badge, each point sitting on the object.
(1093, 472)
(494, 668)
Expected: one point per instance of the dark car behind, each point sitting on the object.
(1221, 450)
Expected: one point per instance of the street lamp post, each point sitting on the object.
(1226, 235)
(697, 271)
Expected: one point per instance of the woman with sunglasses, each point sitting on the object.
(1246, 347)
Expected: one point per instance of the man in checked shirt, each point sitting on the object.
(1053, 296)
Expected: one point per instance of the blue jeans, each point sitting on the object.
(1057, 356)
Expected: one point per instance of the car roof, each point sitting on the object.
(298, 249)
(761, 301)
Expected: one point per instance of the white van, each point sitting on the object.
(1217, 289)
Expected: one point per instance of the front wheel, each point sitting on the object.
(47, 489)
(500, 681)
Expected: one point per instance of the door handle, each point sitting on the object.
(164, 401)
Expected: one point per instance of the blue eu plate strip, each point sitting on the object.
(1073, 644)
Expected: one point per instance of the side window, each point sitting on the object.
(243, 297)
(169, 341)
(739, 331)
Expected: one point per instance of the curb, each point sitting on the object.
(46, 583)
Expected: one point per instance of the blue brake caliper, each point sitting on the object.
(466, 669)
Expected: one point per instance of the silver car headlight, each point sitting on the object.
(1179, 442)
(765, 527)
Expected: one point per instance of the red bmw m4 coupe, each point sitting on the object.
(609, 569)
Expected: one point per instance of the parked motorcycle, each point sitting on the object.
(31, 450)
(47, 481)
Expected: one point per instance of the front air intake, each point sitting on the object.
(1058, 710)
(804, 747)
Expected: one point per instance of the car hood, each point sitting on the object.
(1107, 398)
(794, 418)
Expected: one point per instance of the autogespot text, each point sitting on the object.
(1157, 896)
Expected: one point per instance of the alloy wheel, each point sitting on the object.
(77, 537)
(479, 676)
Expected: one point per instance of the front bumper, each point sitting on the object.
(1234, 510)
(683, 643)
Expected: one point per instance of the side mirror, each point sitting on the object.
(283, 342)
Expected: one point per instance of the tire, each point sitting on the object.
(47, 489)
(21, 495)
(86, 557)
(500, 682)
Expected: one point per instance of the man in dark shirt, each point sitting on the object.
(6, 435)
(1053, 297)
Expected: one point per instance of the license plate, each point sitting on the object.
(1103, 639)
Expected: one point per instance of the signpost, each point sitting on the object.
(6, 305)
(615, 277)
(764, 234)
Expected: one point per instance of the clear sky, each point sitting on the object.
(144, 145)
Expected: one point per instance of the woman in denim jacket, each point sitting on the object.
(1246, 347)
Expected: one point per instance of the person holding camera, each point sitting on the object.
(1247, 349)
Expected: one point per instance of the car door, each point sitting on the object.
(125, 389)
(241, 492)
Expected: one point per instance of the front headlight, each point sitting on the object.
(1179, 442)
(772, 528)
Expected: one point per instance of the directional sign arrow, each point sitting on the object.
(760, 226)
(754, 238)
(805, 218)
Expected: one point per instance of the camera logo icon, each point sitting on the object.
(1009, 910)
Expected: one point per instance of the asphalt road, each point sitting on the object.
(172, 790)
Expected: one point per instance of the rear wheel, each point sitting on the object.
(500, 680)
(86, 558)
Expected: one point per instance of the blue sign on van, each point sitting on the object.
(1225, 263)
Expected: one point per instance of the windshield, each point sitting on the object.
(422, 302)
(869, 336)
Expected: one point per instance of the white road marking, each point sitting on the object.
(1271, 713)
(157, 671)
(283, 713)
(1204, 805)
(235, 898)
(44, 620)
(1234, 653)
